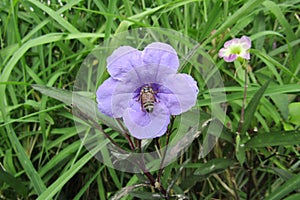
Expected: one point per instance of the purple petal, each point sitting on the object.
(143, 125)
(179, 93)
(245, 42)
(222, 52)
(122, 60)
(114, 96)
(231, 42)
(230, 58)
(143, 75)
(160, 54)
(104, 97)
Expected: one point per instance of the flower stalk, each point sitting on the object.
(242, 118)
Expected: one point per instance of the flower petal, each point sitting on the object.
(143, 125)
(245, 54)
(104, 97)
(143, 75)
(223, 52)
(179, 93)
(161, 54)
(245, 42)
(229, 43)
(114, 96)
(230, 57)
(122, 60)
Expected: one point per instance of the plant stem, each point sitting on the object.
(126, 135)
(86, 118)
(152, 180)
(141, 164)
(244, 102)
(161, 168)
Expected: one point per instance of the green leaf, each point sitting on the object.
(240, 150)
(293, 197)
(247, 8)
(274, 139)
(251, 108)
(85, 104)
(236, 93)
(55, 187)
(281, 101)
(280, 16)
(61, 20)
(213, 166)
(289, 186)
(16, 184)
(273, 64)
(37, 182)
(87, 185)
(139, 194)
(283, 173)
(294, 113)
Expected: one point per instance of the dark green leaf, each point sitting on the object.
(283, 173)
(240, 150)
(274, 139)
(289, 186)
(16, 184)
(213, 166)
(251, 108)
(293, 197)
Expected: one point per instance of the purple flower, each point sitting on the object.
(144, 89)
(236, 49)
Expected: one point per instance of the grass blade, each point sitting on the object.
(286, 188)
(274, 139)
(81, 102)
(59, 19)
(251, 108)
(277, 11)
(213, 166)
(17, 185)
(248, 7)
(65, 177)
(27, 165)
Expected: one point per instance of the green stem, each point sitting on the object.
(244, 101)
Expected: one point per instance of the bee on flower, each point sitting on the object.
(144, 89)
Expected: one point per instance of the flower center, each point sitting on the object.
(147, 98)
(236, 50)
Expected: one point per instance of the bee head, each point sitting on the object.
(146, 88)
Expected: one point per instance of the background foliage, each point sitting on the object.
(45, 42)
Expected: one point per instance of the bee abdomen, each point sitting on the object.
(149, 106)
(147, 98)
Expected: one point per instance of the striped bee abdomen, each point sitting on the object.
(147, 98)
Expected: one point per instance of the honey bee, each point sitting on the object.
(147, 98)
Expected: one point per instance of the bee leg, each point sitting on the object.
(142, 109)
(139, 99)
(155, 99)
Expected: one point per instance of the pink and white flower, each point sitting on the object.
(237, 48)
